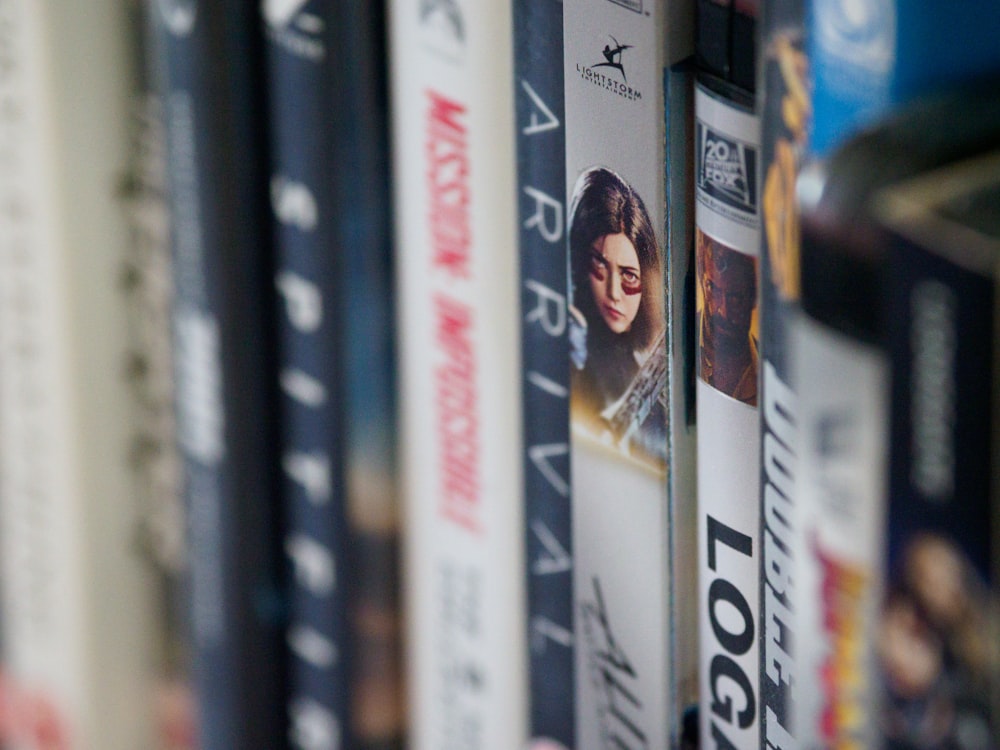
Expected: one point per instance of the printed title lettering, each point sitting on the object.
(778, 667)
(455, 394)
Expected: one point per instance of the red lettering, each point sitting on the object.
(458, 424)
(448, 185)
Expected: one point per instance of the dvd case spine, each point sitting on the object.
(682, 481)
(726, 40)
(622, 133)
(936, 646)
(541, 147)
(727, 217)
(77, 607)
(368, 309)
(209, 59)
(714, 37)
(330, 199)
(785, 110)
(455, 172)
(153, 453)
(304, 88)
(841, 374)
(745, 41)
(866, 531)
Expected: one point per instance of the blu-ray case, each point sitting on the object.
(866, 59)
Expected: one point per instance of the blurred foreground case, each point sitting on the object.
(208, 64)
(458, 308)
(895, 363)
(329, 190)
(79, 631)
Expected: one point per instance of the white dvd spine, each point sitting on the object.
(454, 164)
(77, 628)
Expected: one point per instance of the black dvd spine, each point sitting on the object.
(713, 36)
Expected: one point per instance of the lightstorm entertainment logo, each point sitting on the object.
(613, 59)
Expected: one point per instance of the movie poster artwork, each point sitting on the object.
(935, 649)
(620, 129)
(726, 319)
(617, 335)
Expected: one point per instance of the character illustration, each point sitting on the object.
(937, 651)
(617, 333)
(727, 348)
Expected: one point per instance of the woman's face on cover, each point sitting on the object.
(615, 280)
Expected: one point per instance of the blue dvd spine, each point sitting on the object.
(330, 200)
(364, 209)
(208, 58)
(541, 154)
(303, 88)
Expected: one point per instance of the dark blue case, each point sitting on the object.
(541, 149)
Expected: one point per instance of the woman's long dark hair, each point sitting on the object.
(603, 203)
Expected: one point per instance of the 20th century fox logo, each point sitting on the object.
(727, 169)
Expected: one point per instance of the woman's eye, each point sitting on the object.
(598, 269)
(631, 283)
(598, 266)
